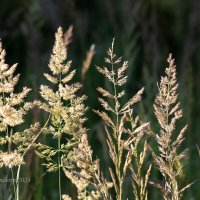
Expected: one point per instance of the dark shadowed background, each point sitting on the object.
(145, 32)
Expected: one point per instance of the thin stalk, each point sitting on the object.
(13, 182)
(59, 172)
(9, 150)
(59, 150)
(170, 161)
(17, 182)
(118, 167)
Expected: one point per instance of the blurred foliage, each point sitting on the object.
(145, 31)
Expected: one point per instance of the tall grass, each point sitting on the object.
(128, 136)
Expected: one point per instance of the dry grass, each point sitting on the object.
(168, 112)
(125, 131)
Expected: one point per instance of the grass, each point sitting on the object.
(128, 136)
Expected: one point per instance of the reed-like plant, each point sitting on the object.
(13, 108)
(126, 134)
(64, 107)
(66, 117)
(85, 173)
(168, 112)
(124, 131)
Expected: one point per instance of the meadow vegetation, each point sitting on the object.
(136, 149)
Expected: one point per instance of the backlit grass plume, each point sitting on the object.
(13, 109)
(66, 111)
(67, 150)
(66, 117)
(122, 140)
(64, 107)
(168, 112)
(85, 174)
(137, 147)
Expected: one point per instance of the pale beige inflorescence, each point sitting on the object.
(11, 159)
(168, 112)
(13, 108)
(126, 134)
(10, 115)
(66, 117)
(65, 108)
(66, 197)
(123, 142)
(86, 173)
(70, 116)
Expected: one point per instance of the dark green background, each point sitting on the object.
(146, 31)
